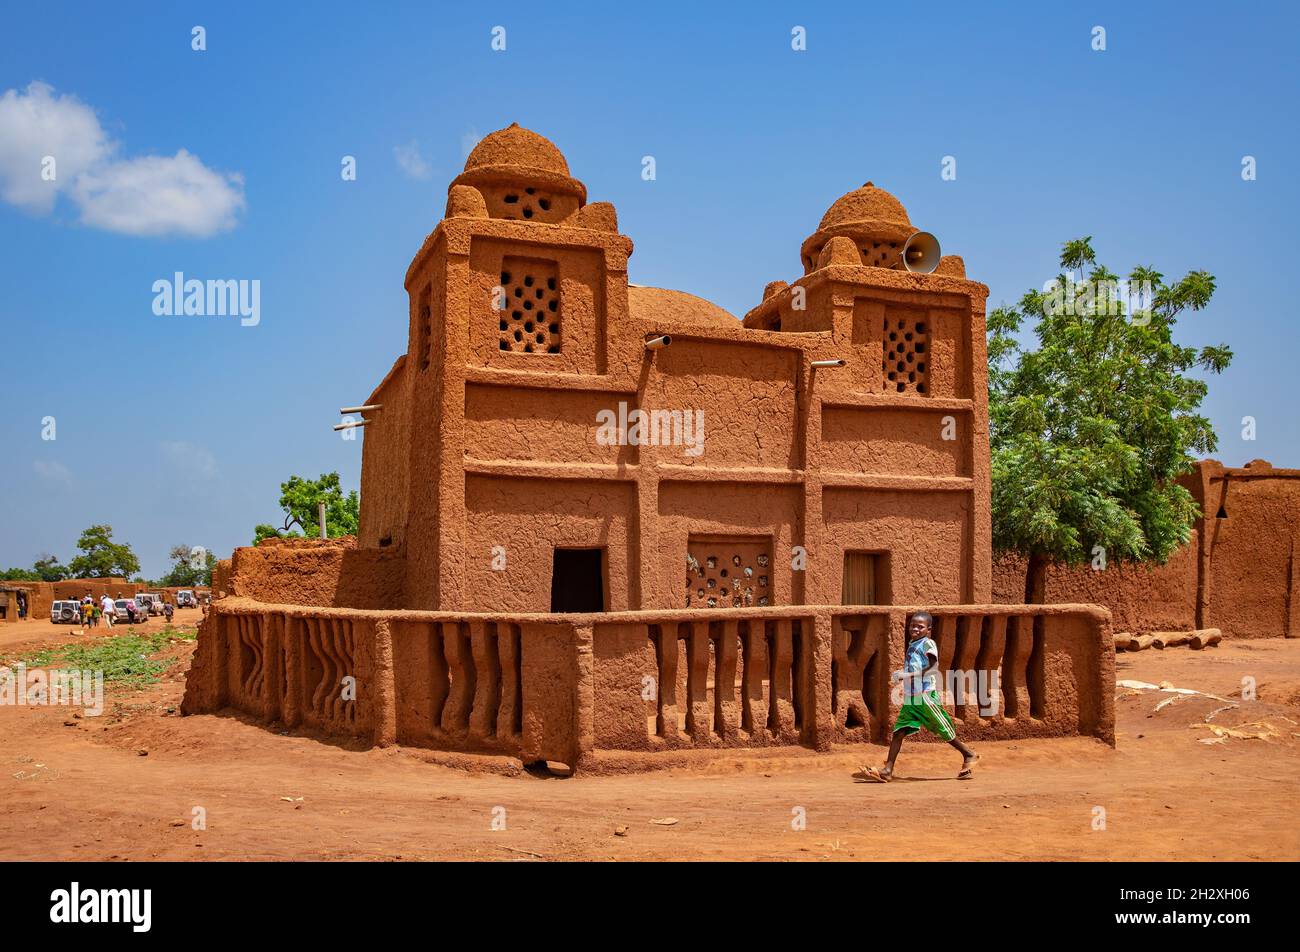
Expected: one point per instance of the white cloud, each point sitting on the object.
(412, 162)
(52, 472)
(35, 124)
(193, 461)
(157, 195)
(146, 195)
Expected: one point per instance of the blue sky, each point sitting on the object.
(1139, 146)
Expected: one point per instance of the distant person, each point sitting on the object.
(109, 609)
(130, 611)
(168, 609)
(921, 708)
(87, 614)
(22, 605)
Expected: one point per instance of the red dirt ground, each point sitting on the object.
(86, 792)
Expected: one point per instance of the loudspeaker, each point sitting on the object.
(921, 253)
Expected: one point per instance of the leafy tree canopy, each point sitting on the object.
(49, 569)
(1090, 429)
(191, 567)
(101, 557)
(299, 499)
(46, 569)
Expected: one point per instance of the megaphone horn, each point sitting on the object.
(921, 253)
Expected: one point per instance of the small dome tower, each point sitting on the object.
(875, 220)
(522, 176)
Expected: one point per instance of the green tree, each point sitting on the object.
(49, 569)
(191, 566)
(1090, 430)
(299, 498)
(101, 557)
(46, 569)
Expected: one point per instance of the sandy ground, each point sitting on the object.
(124, 786)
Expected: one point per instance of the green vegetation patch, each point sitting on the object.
(123, 658)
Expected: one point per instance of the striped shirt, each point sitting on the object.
(922, 654)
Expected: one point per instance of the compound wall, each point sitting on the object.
(1239, 573)
(573, 688)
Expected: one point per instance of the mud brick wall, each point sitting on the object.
(822, 676)
(1240, 572)
(591, 690)
(321, 572)
(1140, 597)
(470, 684)
(42, 595)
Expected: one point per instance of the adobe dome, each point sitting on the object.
(875, 220)
(515, 156)
(866, 204)
(663, 304)
(515, 145)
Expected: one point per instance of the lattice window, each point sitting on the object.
(530, 322)
(526, 203)
(728, 574)
(907, 355)
(881, 254)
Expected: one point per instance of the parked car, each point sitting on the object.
(151, 603)
(185, 599)
(65, 613)
(122, 616)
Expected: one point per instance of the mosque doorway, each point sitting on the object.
(578, 580)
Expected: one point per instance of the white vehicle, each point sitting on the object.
(65, 613)
(150, 603)
(185, 599)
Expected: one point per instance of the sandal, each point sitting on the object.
(870, 775)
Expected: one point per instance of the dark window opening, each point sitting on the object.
(1222, 513)
(866, 579)
(578, 581)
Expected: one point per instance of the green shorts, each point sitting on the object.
(925, 711)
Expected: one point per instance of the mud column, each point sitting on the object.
(808, 435)
(381, 676)
(451, 516)
(979, 574)
(206, 688)
(821, 719)
(558, 692)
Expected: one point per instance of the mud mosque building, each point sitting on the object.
(863, 483)
(573, 487)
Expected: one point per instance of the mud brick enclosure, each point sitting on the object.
(42, 595)
(731, 570)
(1240, 572)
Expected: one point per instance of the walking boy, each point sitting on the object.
(921, 707)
